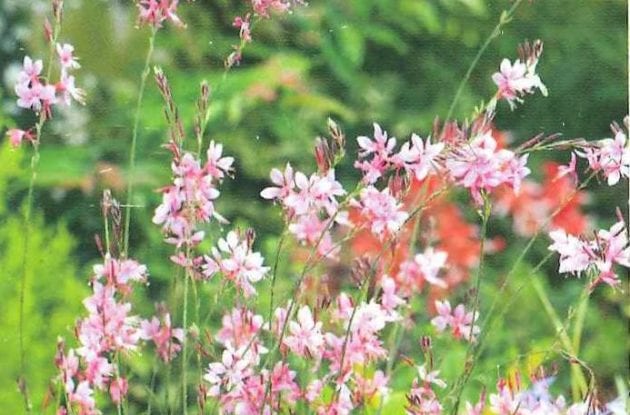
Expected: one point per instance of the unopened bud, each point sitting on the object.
(48, 30)
(425, 343)
(323, 155)
(250, 237)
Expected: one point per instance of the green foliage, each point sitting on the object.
(52, 291)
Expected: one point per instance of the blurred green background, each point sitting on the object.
(397, 62)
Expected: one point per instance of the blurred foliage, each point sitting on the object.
(397, 62)
(52, 292)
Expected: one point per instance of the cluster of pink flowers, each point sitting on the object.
(601, 254)
(155, 12)
(610, 156)
(518, 79)
(481, 166)
(382, 211)
(38, 94)
(257, 8)
(377, 156)
(351, 340)
(460, 321)
(511, 398)
(424, 267)
(108, 331)
(189, 201)
(310, 205)
(237, 262)
(422, 399)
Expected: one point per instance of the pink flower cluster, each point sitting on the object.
(237, 262)
(460, 322)
(189, 201)
(36, 93)
(264, 7)
(601, 254)
(377, 156)
(511, 398)
(424, 267)
(310, 205)
(351, 340)
(108, 331)
(480, 166)
(155, 12)
(518, 79)
(422, 399)
(610, 156)
(261, 9)
(382, 211)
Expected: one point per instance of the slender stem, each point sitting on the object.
(185, 348)
(469, 362)
(152, 387)
(505, 18)
(275, 273)
(24, 271)
(27, 222)
(579, 387)
(134, 139)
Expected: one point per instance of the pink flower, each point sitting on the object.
(569, 169)
(240, 328)
(614, 248)
(69, 91)
(227, 374)
(480, 167)
(424, 267)
(167, 340)
(66, 57)
(381, 211)
(389, 299)
(83, 397)
(420, 158)
(16, 136)
(305, 337)
(367, 388)
(30, 71)
(516, 80)
(313, 390)
(35, 96)
(98, 371)
(241, 265)
(218, 166)
(461, 322)
(380, 149)
(264, 7)
(120, 272)
(190, 199)
(244, 25)
(574, 256)
(118, 389)
(611, 157)
(422, 400)
(283, 181)
(430, 377)
(155, 12)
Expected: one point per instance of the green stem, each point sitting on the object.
(275, 273)
(579, 387)
(24, 271)
(469, 361)
(27, 223)
(185, 349)
(505, 18)
(134, 139)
